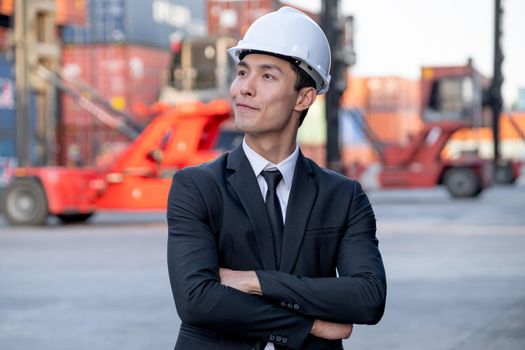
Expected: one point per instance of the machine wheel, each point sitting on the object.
(462, 182)
(504, 174)
(74, 218)
(25, 203)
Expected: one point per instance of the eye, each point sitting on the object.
(241, 73)
(268, 76)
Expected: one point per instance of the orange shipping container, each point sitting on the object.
(68, 11)
(317, 153)
(394, 127)
(507, 129)
(362, 154)
(393, 94)
(356, 94)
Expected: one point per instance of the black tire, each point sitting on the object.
(74, 218)
(462, 182)
(25, 203)
(504, 175)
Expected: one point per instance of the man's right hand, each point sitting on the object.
(331, 330)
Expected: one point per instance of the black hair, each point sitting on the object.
(303, 79)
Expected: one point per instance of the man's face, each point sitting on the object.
(263, 95)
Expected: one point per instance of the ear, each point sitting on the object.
(305, 98)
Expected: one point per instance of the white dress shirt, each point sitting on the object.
(287, 169)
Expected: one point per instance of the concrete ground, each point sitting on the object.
(456, 274)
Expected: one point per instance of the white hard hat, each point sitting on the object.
(289, 32)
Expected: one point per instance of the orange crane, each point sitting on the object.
(183, 132)
(138, 180)
(451, 100)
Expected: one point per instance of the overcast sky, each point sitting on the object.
(397, 37)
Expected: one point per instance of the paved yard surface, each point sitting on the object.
(456, 273)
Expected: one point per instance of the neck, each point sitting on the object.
(273, 151)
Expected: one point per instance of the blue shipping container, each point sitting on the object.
(521, 99)
(350, 132)
(7, 146)
(142, 22)
(7, 94)
(8, 110)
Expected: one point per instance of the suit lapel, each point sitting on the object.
(244, 184)
(300, 203)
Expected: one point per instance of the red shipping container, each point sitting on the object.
(6, 38)
(92, 145)
(232, 18)
(67, 11)
(125, 75)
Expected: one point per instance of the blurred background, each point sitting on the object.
(102, 101)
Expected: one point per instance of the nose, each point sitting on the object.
(246, 86)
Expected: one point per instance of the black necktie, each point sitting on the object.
(274, 210)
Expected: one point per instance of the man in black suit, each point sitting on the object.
(267, 250)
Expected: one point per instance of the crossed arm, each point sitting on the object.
(248, 282)
(203, 297)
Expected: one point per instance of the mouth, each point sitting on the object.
(245, 107)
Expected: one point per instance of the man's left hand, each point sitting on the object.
(245, 281)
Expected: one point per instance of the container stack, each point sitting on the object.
(393, 108)
(7, 115)
(232, 18)
(67, 12)
(7, 96)
(390, 106)
(122, 52)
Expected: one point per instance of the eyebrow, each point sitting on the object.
(264, 66)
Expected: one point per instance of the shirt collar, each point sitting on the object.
(259, 163)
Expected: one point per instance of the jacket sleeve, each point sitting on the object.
(194, 275)
(358, 294)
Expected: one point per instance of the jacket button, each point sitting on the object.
(272, 337)
(290, 305)
(296, 306)
(278, 338)
(285, 340)
(283, 303)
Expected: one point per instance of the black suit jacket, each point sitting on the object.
(217, 218)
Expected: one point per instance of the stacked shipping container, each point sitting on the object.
(390, 106)
(68, 11)
(480, 139)
(147, 22)
(7, 102)
(122, 52)
(8, 120)
(232, 18)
